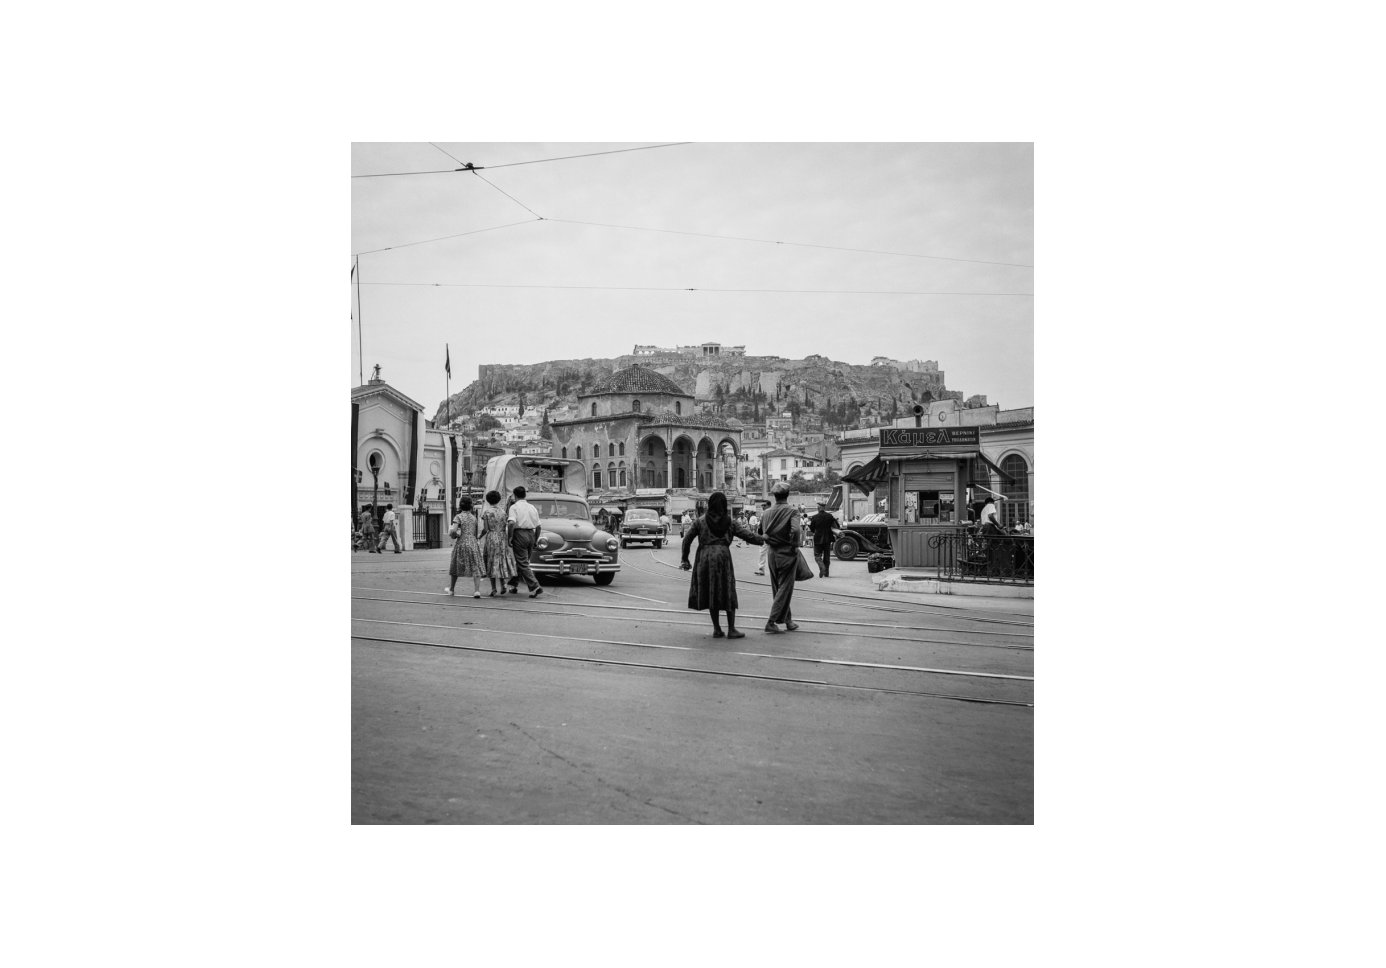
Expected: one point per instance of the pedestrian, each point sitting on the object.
(388, 534)
(713, 585)
(368, 529)
(466, 551)
(782, 537)
(759, 528)
(821, 524)
(524, 535)
(497, 559)
(665, 522)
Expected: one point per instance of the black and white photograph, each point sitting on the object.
(692, 483)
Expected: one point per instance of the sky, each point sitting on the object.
(550, 289)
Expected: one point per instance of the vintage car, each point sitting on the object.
(570, 543)
(869, 534)
(643, 524)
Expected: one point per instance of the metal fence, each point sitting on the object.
(968, 555)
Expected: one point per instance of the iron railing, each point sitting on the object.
(966, 554)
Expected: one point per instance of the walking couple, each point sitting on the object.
(713, 584)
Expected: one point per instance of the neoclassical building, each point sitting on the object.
(638, 430)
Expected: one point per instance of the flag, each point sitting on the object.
(448, 364)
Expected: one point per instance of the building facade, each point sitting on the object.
(637, 430)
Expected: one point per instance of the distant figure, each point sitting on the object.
(822, 524)
(375, 373)
(497, 559)
(524, 535)
(466, 551)
(713, 584)
(367, 528)
(389, 533)
(783, 537)
(666, 522)
(758, 528)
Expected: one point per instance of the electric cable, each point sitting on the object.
(468, 166)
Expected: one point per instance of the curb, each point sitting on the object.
(893, 580)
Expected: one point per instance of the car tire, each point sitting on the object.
(604, 577)
(846, 548)
(659, 544)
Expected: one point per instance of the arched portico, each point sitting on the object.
(653, 462)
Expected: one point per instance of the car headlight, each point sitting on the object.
(612, 544)
(542, 543)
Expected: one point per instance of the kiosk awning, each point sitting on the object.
(869, 476)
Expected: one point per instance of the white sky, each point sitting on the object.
(963, 201)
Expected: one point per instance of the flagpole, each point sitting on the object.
(361, 357)
(447, 421)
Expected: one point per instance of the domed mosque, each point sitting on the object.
(640, 437)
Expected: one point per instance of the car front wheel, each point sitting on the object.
(604, 577)
(846, 548)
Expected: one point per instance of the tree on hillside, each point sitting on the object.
(487, 422)
(544, 430)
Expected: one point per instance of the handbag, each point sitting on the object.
(802, 571)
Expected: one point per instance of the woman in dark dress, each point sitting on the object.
(713, 587)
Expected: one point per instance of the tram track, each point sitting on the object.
(960, 613)
(721, 673)
(530, 609)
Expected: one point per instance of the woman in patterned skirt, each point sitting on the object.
(713, 587)
(466, 552)
(498, 561)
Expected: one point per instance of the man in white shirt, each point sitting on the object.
(387, 523)
(524, 533)
(990, 518)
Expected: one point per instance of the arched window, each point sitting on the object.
(1016, 508)
(678, 406)
(594, 408)
(623, 448)
(579, 452)
(622, 470)
(635, 406)
(564, 455)
(679, 478)
(610, 449)
(596, 476)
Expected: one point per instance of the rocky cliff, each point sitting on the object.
(749, 388)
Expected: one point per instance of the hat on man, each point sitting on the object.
(780, 488)
(822, 504)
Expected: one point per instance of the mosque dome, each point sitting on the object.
(637, 379)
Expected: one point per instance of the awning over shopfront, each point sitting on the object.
(869, 476)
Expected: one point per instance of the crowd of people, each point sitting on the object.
(494, 543)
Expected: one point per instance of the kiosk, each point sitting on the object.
(929, 473)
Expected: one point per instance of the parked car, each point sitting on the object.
(570, 543)
(643, 524)
(869, 534)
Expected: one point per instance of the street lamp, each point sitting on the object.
(375, 481)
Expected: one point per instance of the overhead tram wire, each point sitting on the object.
(458, 235)
(511, 197)
(804, 245)
(468, 166)
(823, 292)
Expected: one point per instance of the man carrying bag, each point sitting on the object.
(782, 537)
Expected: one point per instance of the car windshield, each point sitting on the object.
(642, 515)
(553, 508)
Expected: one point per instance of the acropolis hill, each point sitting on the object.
(743, 386)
